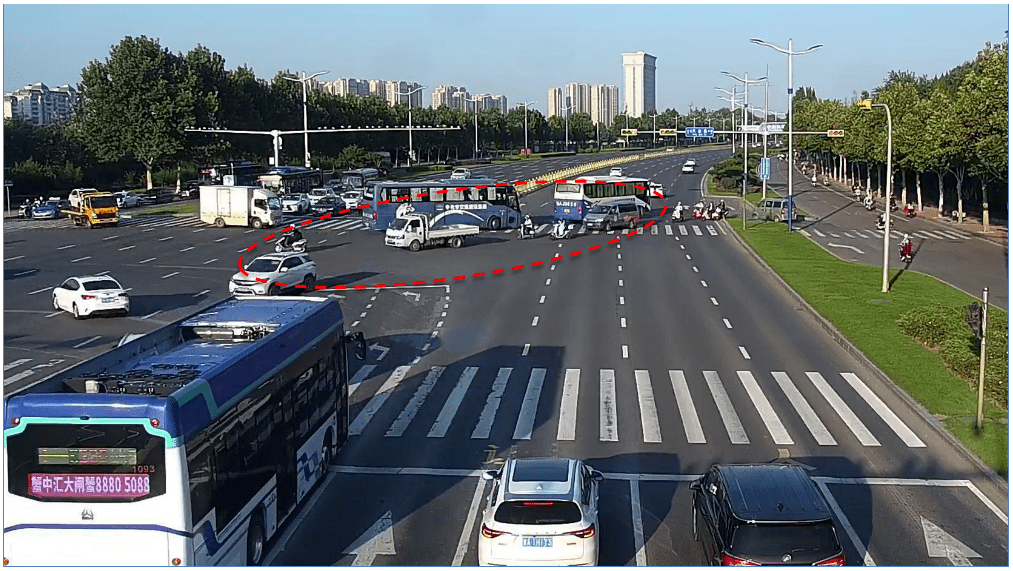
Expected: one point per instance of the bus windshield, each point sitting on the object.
(567, 187)
(353, 180)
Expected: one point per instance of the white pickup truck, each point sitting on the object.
(417, 231)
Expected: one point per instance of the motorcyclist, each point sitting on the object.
(906, 248)
(677, 211)
(881, 221)
(909, 208)
(290, 239)
(529, 226)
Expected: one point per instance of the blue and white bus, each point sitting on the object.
(574, 199)
(190, 445)
(481, 202)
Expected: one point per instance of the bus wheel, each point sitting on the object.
(415, 246)
(219, 223)
(494, 223)
(255, 540)
(456, 241)
(257, 223)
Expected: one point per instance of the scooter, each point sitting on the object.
(870, 204)
(297, 246)
(699, 214)
(556, 234)
(910, 212)
(677, 215)
(524, 234)
(907, 253)
(25, 211)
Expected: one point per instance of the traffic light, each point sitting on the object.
(865, 104)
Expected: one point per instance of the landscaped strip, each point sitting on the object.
(848, 296)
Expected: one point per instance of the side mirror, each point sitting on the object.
(597, 476)
(490, 474)
(360, 344)
(694, 485)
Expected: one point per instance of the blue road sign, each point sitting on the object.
(700, 132)
(765, 168)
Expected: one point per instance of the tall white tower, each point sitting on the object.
(638, 83)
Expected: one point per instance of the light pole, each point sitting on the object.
(745, 137)
(731, 100)
(526, 121)
(566, 123)
(474, 100)
(305, 113)
(654, 118)
(408, 95)
(867, 105)
(791, 156)
(766, 94)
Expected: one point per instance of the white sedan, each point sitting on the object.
(126, 199)
(460, 173)
(688, 168)
(295, 203)
(87, 295)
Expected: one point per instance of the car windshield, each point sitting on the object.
(262, 265)
(537, 513)
(772, 540)
(273, 203)
(398, 224)
(101, 284)
(350, 194)
(598, 210)
(318, 192)
(103, 202)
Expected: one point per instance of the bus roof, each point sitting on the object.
(464, 182)
(606, 179)
(221, 354)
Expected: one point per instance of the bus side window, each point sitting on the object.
(384, 194)
(455, 195)
(419, 194)
(201, 480)
(475, 194)
(435, 195)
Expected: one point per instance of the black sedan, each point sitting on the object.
(328, 205)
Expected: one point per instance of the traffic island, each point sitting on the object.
(845, 298)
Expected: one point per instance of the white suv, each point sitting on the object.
(460, 173)
(270, 274)
(541, 511)
(616, 171)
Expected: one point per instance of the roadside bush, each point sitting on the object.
(944, 330)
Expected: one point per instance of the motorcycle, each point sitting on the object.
(297, 246)
(870, 204)
(907, 253)
(677, 215)
(523, 233)
(699, 214)
(25, 211)
(560, 234)
(910, 212)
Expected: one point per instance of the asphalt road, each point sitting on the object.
(650, 358)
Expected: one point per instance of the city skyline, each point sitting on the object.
(944, 37)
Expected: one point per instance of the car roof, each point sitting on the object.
(554, 478)
(773, 492)
(83, 279)
(277, 257)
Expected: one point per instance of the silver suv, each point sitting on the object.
(608, 216)
(270, 274)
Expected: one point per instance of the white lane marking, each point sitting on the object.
(221, 239)
(26, 272)
(855, 540)
(567, 429)
(696, 269)
(145, 261)
(12, 259)
(622, 300)
(13, 364)
(492, 402)
(446, 416)
(838, 405)
(860, 235)
(723, 231)
(358, 377)
(40, 290)
(626, 352)
(81, 259)
(552, 268)
(374, 404)
(988, 503)
(773, 423)
(712, 231)
(110, 237)
(848, 234)
(354, 323)
(620, 283)
(806, 412)
(102, 273)
(164, 239)
(400, 424)
(682, 246)
(439, 324)
(654, 230)
(638, 524)
(548, 281)
(18, 377)
(688, 258)
(83, 343)
(696, 230)
(835, 235)
(620, 268)
(805, 232)
(527, 347)
(818, 233)
(150, 315)
(884, 412)
(729, 418)
(199, 230)
(703, 283)
(542, 300)
(210, 261)
(191, 248)
(608, 424)
(728, 324)
(469, 524)
(684, 400)
(648, 407)
(742, 350)
(534, 322)
(170, 275)
(622, 322)
(668, 229)
(67, 246)
(526, 417)
(683, 231)
(619, 256)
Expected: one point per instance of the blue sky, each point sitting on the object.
(521, 50)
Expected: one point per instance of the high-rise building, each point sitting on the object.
(346, 86)
(394, 89)
(604, 103)
(444, 95)
(579, 96)
(638, 84)
(556, 102)
(40, 104)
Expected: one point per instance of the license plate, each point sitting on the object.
(536, 541)
(566, 210)
(107, 300)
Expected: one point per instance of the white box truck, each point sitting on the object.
(239, 206)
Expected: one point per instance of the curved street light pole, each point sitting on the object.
(305, 113)
(867, 105)
(745, 138)
(408, 95)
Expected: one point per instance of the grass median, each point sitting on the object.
(168, 210)
(848, 295)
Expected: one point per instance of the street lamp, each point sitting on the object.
(655, 122)
(791, 155)
(745, 137)
(474, 100)
(566, 122)
(526, 121)
(305, 116)
(867, 105)
(408, 95)
(731, 100)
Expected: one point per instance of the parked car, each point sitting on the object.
(616, 171)
(541, 511)
(126, 199)
(274, 270)
(47, 210)
(88, 295)
(763, 514)
(460, 173)
(297, 203)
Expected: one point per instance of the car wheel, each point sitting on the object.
(257, 224)
(77, 314)
(633, 223)
(415, 246)
(255, 540)
(456, 241)
(273, 289)
(494, 223)
(309, 281)
(608, 226)
(88, 223)
(56, 303)
(219, 223)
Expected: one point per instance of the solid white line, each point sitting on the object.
(492, 402)
(412, 408)
(67, 246)
(838, 405)
(170, 275)
(81, 259)
(534, 322)
(884, 412)
(714, 301)
(728, 324)
(83, 343)
(14, 258)
(469, 524)
(855, 540)
(622, 322)
(626, 352)
(567, 429)
(638, 524)
(648, 407)
(988, 503)
(446, 416)
(210, 261)
(360, 422)
(684, 400)
(40, 290)
(152, 314)
(527, 347)
(806, 412)
(703, 283)
(742, 350)
(358, 377)
(542, 300)
(736, 433)
(608, 424)
(13, 364)
(526, 417)
(145, 261)
(774, 426)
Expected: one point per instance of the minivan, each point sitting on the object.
(773, 209)
(608, 216)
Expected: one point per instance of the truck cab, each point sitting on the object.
(93, 209)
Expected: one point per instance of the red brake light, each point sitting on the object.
(530, 504)
(16, 421)
(836, 561)
(154, 422)
(87, 297)
(490, 533)
(730, 560)
(584, 533)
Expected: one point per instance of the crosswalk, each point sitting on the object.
(685, 229)
(152, 222)
(878, 234)
(791, 409)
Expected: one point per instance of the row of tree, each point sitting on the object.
(951, 128)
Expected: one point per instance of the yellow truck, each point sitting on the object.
(95, 209)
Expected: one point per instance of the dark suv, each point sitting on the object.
(763, 514)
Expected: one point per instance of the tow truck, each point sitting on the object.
(414, 230)
(94, 208)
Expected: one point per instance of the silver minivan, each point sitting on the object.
(609, 216)
(773, 209)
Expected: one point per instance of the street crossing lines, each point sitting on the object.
(526, 418)
(360, 422)
(492, 402)
(608, 426)
(442, 424)
(883, 411)
(409, 412)
(847, 415)
(567, 429)
(774, 426)
(648, 408)
(806, 412)
(683, 231)
(684, 400)
(696, 230)
(733, 426)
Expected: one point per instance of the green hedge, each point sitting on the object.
(944, 329)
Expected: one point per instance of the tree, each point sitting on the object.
(136, 103)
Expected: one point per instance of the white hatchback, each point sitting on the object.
(541, 511)
(87, 295)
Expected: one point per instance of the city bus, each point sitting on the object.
(291, 180)
(243, 173)
(480, 202)
(573, 199)
(359, 179)
(189, 445)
